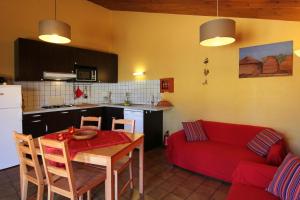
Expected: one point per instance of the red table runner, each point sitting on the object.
(102, 139)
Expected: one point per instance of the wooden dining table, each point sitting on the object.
(108, 156)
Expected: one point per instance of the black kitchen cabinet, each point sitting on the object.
(57, 121)
(34, 124)
(56, 58)
(108, 68)
(27, 60)
(49, 122)
(33, 57)
(109, 113)
(153, 129)
(89, 112)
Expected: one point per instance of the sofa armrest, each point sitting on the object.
(276, 154)
(253, 174)
(175, 139)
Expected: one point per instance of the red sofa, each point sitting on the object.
(250, 181)
(219, 156)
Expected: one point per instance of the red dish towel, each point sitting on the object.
(103, 139)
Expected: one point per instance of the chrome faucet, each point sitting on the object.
(152, 100)
(109, 97)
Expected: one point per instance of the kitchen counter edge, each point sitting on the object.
(133, 107)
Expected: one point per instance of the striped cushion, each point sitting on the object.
(194, 131)
(286, 181)
(263, 141)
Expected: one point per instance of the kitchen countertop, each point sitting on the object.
(77, 107)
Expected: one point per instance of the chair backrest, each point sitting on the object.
(57, 164)
(128, 123)
(28, 157)
(90, 119)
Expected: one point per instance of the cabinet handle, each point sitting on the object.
(83, 110)
(36, 121)
(64, 112)
(1, 93)
(36, 115)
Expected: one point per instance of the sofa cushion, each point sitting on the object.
(246, 192)
(194, 131)
(286, 181)
(214, 159)
(263, 141)
(235, 134)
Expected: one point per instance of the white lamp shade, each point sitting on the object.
(54, 31)
(217, 32)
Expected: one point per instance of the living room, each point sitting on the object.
(166, 45)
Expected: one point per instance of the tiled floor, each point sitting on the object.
(162, 181)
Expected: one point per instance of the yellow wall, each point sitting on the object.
(168, 46)
(90, 25)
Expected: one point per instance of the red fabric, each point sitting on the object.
(276, 154)
(103, 139)
(219, 156)
(246, 192)
(254, 174)
(234, 134)
(211, 158)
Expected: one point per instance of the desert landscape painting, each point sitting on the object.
(266, 60)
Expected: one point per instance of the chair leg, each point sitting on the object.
(50, 194)
(89, 195)
(116, 185)
(40, 192)
(131, 175)
(24, 188)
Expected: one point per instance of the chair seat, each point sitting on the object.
(85, 176)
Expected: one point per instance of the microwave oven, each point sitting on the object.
(85, 73)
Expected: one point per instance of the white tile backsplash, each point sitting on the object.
(37, 94)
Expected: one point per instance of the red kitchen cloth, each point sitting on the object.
(102, 139)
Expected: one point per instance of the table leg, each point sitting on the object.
(109, 182)
(141, 168)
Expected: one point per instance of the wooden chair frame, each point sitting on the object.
(90, 119)
(25, 146)
(52, 172)
(127, 161)
(123, 122)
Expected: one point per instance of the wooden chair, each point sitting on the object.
(90, 119)
(125, 122)
(126, 161)
(75, 179)
(30, 168)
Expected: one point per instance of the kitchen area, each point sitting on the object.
(60, 84)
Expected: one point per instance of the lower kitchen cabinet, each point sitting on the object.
(34, 124)
(89, 112)
(109, 113)
(42, 123)
(153, 129)
(61, 120)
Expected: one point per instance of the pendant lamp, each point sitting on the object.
(217, 32)
(54, 31)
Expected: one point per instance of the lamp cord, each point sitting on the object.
(55, 9)
(217, 8)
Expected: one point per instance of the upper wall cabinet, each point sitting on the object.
(33, 57)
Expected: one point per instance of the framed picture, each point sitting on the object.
(266, 60)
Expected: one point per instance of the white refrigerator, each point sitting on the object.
(10, 120)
